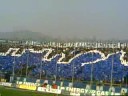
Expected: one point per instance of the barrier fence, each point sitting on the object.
(62, 90)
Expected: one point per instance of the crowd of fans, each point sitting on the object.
(35, 65)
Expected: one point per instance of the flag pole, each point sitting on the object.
(112, 69)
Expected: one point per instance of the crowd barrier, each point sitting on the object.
(74, 91)
(61, 90)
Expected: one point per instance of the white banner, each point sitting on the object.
(6, 84)
(49, 90)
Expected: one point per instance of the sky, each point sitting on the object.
(100, 19)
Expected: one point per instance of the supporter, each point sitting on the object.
(123, 92)
(88, 86)
(99, 87)
(54, 86)
(44, 85)
(112, 89)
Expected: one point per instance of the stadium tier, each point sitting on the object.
(58, 62)
(74, 70)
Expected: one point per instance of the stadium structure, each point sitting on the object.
(78, 68)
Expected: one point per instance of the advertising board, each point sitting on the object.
(28, 87)
(49, 90)
(78, 91)
(7, 84)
